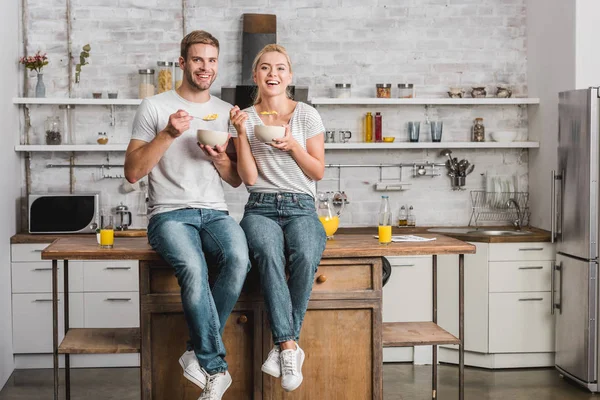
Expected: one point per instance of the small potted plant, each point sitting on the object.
(83, 56)
(36, 63)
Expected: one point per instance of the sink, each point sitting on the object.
(482, 232)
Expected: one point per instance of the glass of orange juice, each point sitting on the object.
(330, 224)
(107, 232)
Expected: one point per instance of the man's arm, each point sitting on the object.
(226, 167)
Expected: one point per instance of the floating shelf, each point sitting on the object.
(426, 101)
(70, 101)
(72, 147)
(432, 145)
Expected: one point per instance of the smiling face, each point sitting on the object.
(201, 66)
(272, 74)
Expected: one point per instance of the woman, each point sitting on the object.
(280, 220)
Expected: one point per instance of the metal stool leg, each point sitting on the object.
(461, 326)
(55, 325)
(434, 319)
(66, 318)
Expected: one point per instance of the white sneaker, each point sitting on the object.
(192, 369)
(291, 368)
(272, 365)
(216, 385)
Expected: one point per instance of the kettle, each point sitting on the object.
(122, 211)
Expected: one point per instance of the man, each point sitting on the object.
(189, 223)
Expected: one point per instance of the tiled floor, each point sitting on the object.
(401, 382)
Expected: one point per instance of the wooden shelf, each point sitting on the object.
(432, 145)
(72, 147)
(446, 101)
(100, 341)
(407, 334)
(72, 101)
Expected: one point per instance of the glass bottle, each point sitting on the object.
(146, 85)
(478, 130)
(402, 217)
(165, 76)
(411, 219)
(385, 221)
(378, 135)
(369, 128)
(53, 131)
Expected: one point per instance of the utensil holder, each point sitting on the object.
(457, 181)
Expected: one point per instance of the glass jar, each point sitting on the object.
(406, 91)
(53, 131)
(478, 130)
(384, 90)
(378, 133)
(102, 138)
(402, 217)
(411, 219)
(177, 75)
(164, 80)
(343, 90)
(146, 85)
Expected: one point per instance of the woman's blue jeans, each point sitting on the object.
(283, 230)
(190, 240)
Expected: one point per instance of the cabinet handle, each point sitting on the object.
(118, 268)
(43, 300)
(321, 279)
(533, 267)
(532, 299)
(43, 269)
(531, 249)
(242, 319)
(38, 250)
(403, 265)
(118, 299)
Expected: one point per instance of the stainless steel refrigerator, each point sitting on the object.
(575, 228)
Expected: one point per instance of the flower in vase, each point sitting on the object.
(35, 62)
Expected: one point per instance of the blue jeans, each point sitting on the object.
(282, 230)
(189, 240)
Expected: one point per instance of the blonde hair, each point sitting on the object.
(196, 37)
(269, 49)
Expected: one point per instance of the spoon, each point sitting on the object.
(446, 153)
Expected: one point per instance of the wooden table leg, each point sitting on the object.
(434, 348)
(461, 326)
(55, 325)
(66, 318)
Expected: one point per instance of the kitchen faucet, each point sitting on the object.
(517, 222)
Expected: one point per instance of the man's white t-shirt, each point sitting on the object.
(184, 177)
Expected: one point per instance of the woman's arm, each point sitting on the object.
(311, 160)
(246, 165)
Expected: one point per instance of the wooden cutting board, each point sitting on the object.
(131, 233)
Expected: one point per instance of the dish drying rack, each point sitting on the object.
(494, 207)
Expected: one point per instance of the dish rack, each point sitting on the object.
(494, 207)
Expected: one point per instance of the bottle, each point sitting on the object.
(411, 219)
(385, 221)
(402, 217)
(478, 130)
(369, 128)
(378, 136)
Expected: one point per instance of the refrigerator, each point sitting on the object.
(574, 200)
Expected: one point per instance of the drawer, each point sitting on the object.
(110, 276)
(343, 278)
(535, 251)
(521, 323)
(112, 310)
(410, 284)
(32, 320)
(36, 277)
(27, 251)
(520, 276)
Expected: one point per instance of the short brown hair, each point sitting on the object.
(196, 37)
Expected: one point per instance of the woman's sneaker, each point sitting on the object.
(216, 385)
(271, 365)
(291, 368)
(192, 370)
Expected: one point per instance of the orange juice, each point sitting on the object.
(330, 224)
(107, 238)
(385, 234)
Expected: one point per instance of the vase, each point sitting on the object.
(40, 88)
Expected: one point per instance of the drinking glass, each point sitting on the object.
(413, 131)
(107, 232)
(436, 131)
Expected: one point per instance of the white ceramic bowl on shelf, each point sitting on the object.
(503, 136)
(266, 133)
(211, 138)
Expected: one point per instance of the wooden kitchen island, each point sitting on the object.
(342, 334)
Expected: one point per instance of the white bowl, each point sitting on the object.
(504, 136)
(211, 138)
(266, 133)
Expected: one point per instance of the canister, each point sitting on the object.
(384, 90)
(177, 76)
(146, 85)
(343, 90)
(164, 80)
(406, 91)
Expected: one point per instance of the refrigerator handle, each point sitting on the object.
(553, 212)
(556, 305)
(552, 289)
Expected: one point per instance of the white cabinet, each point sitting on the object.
(507, 305)
(112, 310)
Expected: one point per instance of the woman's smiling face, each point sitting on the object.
(273, 74)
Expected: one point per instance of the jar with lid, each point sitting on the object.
(146, 85)
(343, 90)
(53, 131)
(177, 75)
(384, 90)
(102, 138)
(164, 80)
(406, 91)
(478, 130)
(402, 217)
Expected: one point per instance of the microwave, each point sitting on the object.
(64, 212)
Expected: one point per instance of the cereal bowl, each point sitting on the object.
(266, 133)
(503, 136)
(211, 138)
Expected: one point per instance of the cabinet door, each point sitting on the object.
(112, 310)
(36, 277)
(110, 276)
(169, 334)
(407, 296)
(339, 356)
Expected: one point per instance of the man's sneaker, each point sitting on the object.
(272, 364)
(192, 369)
(291, 368)
(216, 385)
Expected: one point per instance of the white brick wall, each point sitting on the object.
(431, 43)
